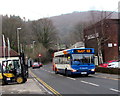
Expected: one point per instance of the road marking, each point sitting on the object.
(84, 82)
(114, 90)
(60, 75)
(94, 84)
(11, 92)
(43, 87)
(90, 83)
(93, 76)
(52, 72)
(71, 78)
(49, 71)
(46, 85)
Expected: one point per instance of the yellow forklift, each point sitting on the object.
(13, 69)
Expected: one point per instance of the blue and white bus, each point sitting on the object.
(74, 61)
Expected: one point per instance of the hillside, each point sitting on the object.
(66, 22)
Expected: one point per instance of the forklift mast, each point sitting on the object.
(24, 65)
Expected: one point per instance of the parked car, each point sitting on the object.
(115, 64)
(105, 64)
(37, 65)
(112, 61)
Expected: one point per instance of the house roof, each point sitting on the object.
(78, 45)
(13, 53)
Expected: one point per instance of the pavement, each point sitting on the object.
(107, 76)
(29, 87)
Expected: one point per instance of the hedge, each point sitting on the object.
(108, 70)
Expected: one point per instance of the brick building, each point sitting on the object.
(104, 35)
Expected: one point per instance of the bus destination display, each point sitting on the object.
(82, 51)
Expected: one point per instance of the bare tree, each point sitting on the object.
(45, 32)
(9, 28)
(101, 36)
(42, 31)
(78, 32)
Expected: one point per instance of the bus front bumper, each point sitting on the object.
(83, 72)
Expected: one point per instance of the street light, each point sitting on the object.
(33, 46)
(18, 40)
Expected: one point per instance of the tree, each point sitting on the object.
(100, 37)
(78, 32)
(45, 35)
(9, 28)
(45, 32)
(42, 31)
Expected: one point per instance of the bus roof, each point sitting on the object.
(75, 51)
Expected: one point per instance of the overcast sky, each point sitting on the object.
(36, 9)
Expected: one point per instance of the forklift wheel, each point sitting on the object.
(19, 80)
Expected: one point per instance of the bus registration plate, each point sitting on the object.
(83, 72)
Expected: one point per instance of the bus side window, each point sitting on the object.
(60, 60)
(0, 67)
(56, 60)
(66, 60)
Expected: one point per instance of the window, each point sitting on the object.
(0, 67)
(61, 60)
(16, 64)
(83, 58)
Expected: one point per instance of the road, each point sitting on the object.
(93, 84)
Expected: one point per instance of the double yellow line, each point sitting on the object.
(46, 85)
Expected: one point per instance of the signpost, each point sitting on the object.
(39, 55)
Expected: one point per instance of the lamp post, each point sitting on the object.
(33, 46)
(18, 40)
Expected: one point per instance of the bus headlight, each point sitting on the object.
(73, 70)
(92, 69)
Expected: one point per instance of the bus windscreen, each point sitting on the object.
(82, 58)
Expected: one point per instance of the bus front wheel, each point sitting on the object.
(67, 73)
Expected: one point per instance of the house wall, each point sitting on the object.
(108, 32)
(111, 53)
